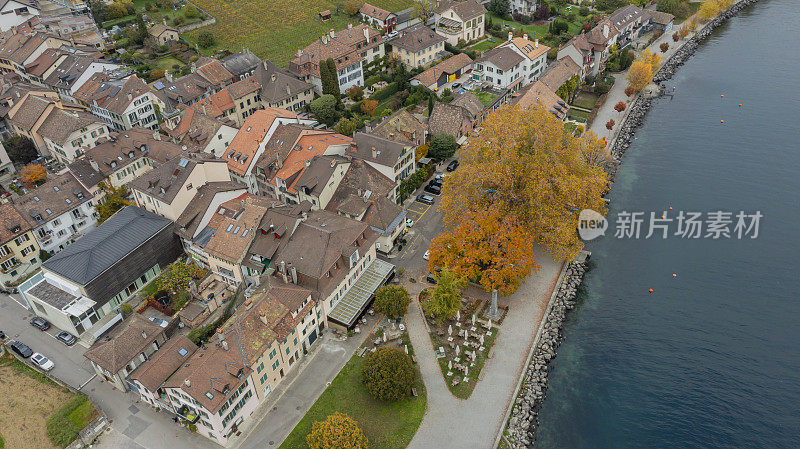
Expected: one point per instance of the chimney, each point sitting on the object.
(525, 36)
(93, 163)
(187, 382)
(288, 91)
(510, 35)
(536, 43)
(262, 317)
(349, 26)
(283, 272)
(168, 76)
(605, 30)
(294, 275)
(272, 77)
(366, 33)
(144, 335)
(374, 152)
(156, 135)
(332, 33)
(130, 96)
(164, 19)
(303, 216)
(224, 345)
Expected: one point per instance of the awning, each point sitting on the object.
(355, 300)
(79, 307)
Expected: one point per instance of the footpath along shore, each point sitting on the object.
(522, 418)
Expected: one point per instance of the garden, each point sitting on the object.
(36, 412)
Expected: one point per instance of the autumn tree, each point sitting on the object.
(650, 58)
(175, 278)
(523, 164)
(708, 10)
(664, 47)
(338, 431)
(568, 89)
(639, 75)
(356, 93)
(629, 91)
(610, 124)
(113, 201)
(445, 298)
(388, 374)
(33, 174)
(368, 106)
(487, 246)
(392, 301)
(676, 36)
(423, 9)
(620, 106)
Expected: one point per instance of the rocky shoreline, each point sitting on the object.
(521, 426)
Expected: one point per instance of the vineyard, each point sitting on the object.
(275, 30)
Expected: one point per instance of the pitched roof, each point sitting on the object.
(364, 190)
(345, 48)
(386, 152)
(502, 57)
(123, 343)
(448, 66)
(559, 73)
(531, 49)
(447, 119)
(466, 10)
(60, 124)
(309, 145)
(43, 62)
(316, 175)
(234, 226)
(187, 88)
(374, 12)
(164, 182)
(417, 39)
(196, 129)
(157, 369)
(111, 94)
(626, 14)
(401, 126)
(240, 63)
(278, 223)
(190, 218)
(159, 28)
(105, 245)
(14, 223)
(277, 84)
(29, 112)
(58, 195)
(470, 102)
(662, 18)
(127, 147)
(538, 93)
(214, 72)
(241, 153)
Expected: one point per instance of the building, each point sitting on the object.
(86, 282)
(350, 50)
(395, 160)
(459, 20)
(37, 70)
(150, 376)
(449, 70)
(203, 133)
(540, 94)
(514, 64)
(402, 126)
(169, 188)
(17, 12)
(450, 119)
(559, 72)
(378, 17)
(631, 22)
(19, 252)
(67, 134)
(21, 48)
(75, 70)
(163, 34)
(6, 166)
(407, 18)
(660, 20)
(122, 103)
(241, 65)
(419, 46)
(61, 210)
(127, 346)
(13, 93)
(248, 145)
(27, 118)
(234, 103)
(281, 89)
(526, 7)
(590, 50)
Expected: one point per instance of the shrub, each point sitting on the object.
(205, 39)
(552, 54)
(421, 151)
(629, 91)
(72, 417)
(338, 431)
(177, 21)
(388, 374)
(191, 12)
(676, 36)
(126, 308)
(180, 300)
(610, 124)
(324, 109)
(499, 7)
(355, 93)
(392, 301)
(443, 146)
(664, 47)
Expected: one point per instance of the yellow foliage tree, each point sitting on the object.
(639, 75)
(650, 58)
(338, 431)
(33, 174)
(421, 152)
(708, 10)
(525, 171)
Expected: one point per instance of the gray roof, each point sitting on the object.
(60, 124)
(447, 119)
(277, 84)
(29, 112)
(240, 63)
(197, 207)
(125, 342)
(166, 181)
(417, 39)
(467, 10)
(470, 102)
(504, 58)
(85, 174)
(102, 247)
(387, 152)
(52, 295)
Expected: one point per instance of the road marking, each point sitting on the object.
(89, 380)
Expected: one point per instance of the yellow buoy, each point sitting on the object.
(722, 121)
(674, 275)
(722, 96)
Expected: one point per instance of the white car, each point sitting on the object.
(42, 362)
(427, 253)
(409, 222)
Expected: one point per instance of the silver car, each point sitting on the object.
(42, 362)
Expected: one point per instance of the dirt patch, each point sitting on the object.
(25, 405)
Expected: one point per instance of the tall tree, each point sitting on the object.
(445, 298)
(431, 101)
(443, 146)
(112, 202)
(330, 78)
(639, 75)
(141, 29)
(338, 431)
(324, 109)
(499, 7)
(20, 149)
(33, 174)
(392, 301)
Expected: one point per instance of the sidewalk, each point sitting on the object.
(475, 422)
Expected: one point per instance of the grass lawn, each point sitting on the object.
(585, 100)
(538, 31)
(464, 389)
(693, 7)
(167, 63)
(486, 97)
(36, 412)
(275, 30)
(386, 425)
(577, 115)
(487, 44)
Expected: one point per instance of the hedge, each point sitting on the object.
(385, 93)
(63, 425)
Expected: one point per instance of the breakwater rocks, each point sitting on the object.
(525, 411)
(642, 104)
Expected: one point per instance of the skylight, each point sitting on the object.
(230, 226)
(209, 395)
(182, 352)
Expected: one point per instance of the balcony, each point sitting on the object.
(188, 414)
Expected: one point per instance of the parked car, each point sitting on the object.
(456, 86)
(40, 323)
(433, 188)
(426, 255)
(66, 338)
(409, 222)
(2, 335)
(392, 35)
(452, 166)
(436, 182)
(42, 362)
(21, 348)
(429, 279)
(425, 199)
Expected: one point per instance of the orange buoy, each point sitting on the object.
(663, 216)
(651, 290)
(740, 105)
(674, 275)
(722, 121)
(722, 96)
(670, 208)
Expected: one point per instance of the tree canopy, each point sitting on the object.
(33, 174)
(445, 298)
(329, 78)
(442, 146)
(20, 149)
(175, 277)
(499, 7)
(392, 301)
(639, 75)
(388, 374)
(112, 202)
(324, 109)
(338, 431)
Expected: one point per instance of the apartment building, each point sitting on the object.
(514, 64)
(203, 133)
(67, 134)
(28, 117)
(19, 252)
(123, 103)
(150, 376)
(281, 89)
(418, 47)
(394, 159)
(460, 20)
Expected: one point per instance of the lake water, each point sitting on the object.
(710, 359)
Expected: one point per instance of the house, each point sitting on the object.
(378, 17)
(235, 102)
(163, 34)
(213, 71)
(451, 69)
(402, 126)
(37, 70)
(394, 159)
(630, 22)
(367, 195)
(450, 119)
(149, 377)
(241, 65)
(276, 326)
(281, 89)
(288, 155)
(590, 50)
(214, 388)
(16, 12)
(19, 252)
(407, 18)
(248, 145)
(85, 283)
(350, 50)
(67, 134)
(418, 46)
(660, 20)
(459, 20)
(122, 157)
(61, 210)
(540, 94)
(14, 93)
(511, 65)
(169, 188)
(559, 72)
(202, 132)
(115, 356)
(525, 7)
(6, 166)
(192, 224)
(122, 103)
(77, 69)
(28, 117)
(186, 90)
(21, 48)
(317, 183)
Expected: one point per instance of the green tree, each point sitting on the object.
(205, 39)
(175, 278)
(568, 88)
(558, 26)
(431, 101)
(113, 201)
(338, 431)
(412, 183)
(324, 109)
(330, 78)
(351, 7)
(445, 298)
(443, 146)
(388, 374)
(347, 126)
(392, 301)
(141, 30)
(20, 149)
(191, 12)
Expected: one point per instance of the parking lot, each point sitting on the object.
(417, 210)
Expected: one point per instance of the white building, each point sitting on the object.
(16, 12)
(514, 64)
(67, 134)
(123, 103)
(465, 20)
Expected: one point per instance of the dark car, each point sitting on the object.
(2, 335)
(22, 349)
(456, 86)
(436, 182)
(452, 166)
(425, 199)
(66, 338)
(429, 279)
(40, 323)
(433, 188)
